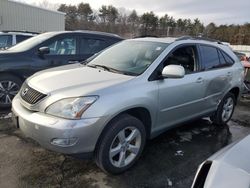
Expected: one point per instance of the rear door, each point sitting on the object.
(90, 45)
(217, 74)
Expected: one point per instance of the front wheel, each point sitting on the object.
(9, 87)
(121, 145)
(225, 110)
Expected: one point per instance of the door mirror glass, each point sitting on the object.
(44, 50)
(173, 71)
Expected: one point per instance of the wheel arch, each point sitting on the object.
(4, 73)
(235, 91)
(141, 113)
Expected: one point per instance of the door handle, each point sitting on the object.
(199, 80)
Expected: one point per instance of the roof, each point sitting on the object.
(155, 39)
(181, 40)
(87, 32)
(19, 32)
(33, 6)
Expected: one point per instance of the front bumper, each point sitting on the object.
(44, 128)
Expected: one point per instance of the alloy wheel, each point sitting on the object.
(125, 147)
(228, 108)
(8, 90)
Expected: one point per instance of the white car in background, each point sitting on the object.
(228, 168)
(10, 38)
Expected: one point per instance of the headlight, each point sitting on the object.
(71, 108)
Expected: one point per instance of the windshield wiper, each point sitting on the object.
(101, 66)
(112, 69)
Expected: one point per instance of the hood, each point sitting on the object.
(75, 79)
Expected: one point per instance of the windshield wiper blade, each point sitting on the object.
(102, 66)
(112, 69)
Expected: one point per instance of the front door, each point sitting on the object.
(63, 51)
(183, 98)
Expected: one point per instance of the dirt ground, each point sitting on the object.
(170, 160)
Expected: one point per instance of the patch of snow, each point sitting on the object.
(170, 183)
(205, 129)
(179, 153)
(185, 136)
(9, 115)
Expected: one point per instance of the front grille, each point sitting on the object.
(30, 95)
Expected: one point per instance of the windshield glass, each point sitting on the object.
(5, 41)
(130, 57)
(31, 42)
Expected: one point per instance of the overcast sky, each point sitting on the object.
(217, 11)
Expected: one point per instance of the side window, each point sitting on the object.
(20, 38)
(92, 46)
(210, 57)
(223, 62)
(65, 46)
(185, 56)
(228, 59)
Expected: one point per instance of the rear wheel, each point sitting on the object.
(9, 87)
(121, 145)
(225, 110)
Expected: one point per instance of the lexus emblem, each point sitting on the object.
(25, 91)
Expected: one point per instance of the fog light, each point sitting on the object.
(64, 142)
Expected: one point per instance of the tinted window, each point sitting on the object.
(92, 46)
(210, 57)
(65, 46)
(184, 56)
(222, 59)
(5, 41)
(20, 38)
(227, 58)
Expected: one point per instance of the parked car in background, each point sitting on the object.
(45, 51)
(133, 91)
(228, 168)
(11, 38)
(240, 55)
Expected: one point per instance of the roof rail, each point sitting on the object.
(20, 31)
(198, 38)
(99, 32)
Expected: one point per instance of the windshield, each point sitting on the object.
(129, 57)
(31, 42)
(5, 41)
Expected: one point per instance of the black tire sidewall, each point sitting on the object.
(102, 153)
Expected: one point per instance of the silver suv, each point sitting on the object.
(111, 104)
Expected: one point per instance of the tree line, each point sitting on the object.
(110, 19)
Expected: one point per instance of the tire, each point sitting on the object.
(111, 139)
(9, 87)
(224, 112)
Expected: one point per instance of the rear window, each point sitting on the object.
(20, 38)
(5, 41)
(210, 57)
(228, 59)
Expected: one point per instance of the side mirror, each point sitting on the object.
(43, 50)
(173, 71)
